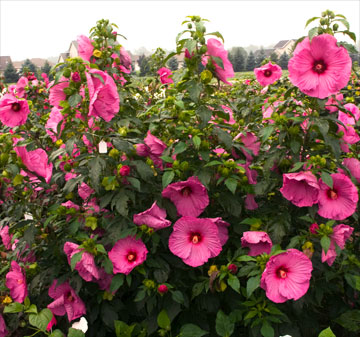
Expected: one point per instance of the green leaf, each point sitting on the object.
(75, 333)
(194, 90)
(122, 329)
(223, 325)
(99, 77)
(74, 100)
(350, 320)
(100, 248)
(108, 266)
(325, 243)
(144, 170)
(41, 320)
(197, 289)
(95, 171)
(205, 115)
(231, 184)
(267, 330)
(116, 282)
(196, 141)
(313, 32)
(140, 296)
(32, 309)
(57, 333)
(217, 34)
(134, 182)
(163, 320)
(218, 61)
(266, 132)
(75, 259)
(353, 281)
(311, 20)
(178, 296)
(223, 136)
(192, 330)
(180, 147)
(252, 284)
(120, 202)
(327, 179)
(327, 333)
(297, 166)
(245, 258)
(234, 283)
(190, 45)
(13, 308)
(167, 178)
(344, 22)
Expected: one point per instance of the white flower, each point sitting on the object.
(81, 325)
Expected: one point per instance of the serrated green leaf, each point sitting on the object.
(192, 330)
(312, 32)
(344, 22)
(350, 320)
(180, 147)
(32, 309)
(218, 61)
(311, 20)
(327, 179)
(178, 296)
(353, 281)
(245, 258)
(252, 284)
(267, 330)
(74, 100)
(116, 282)
(134, 182)
(167, 178)
(13, 308)
(297, 165)
(231, 184)
(325, 243)
(217, 34)
(163, 320)
(223, 325)
(75, 259)
(234, 283)
(196, 141)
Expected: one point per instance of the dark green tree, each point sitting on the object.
(46, 68)
(237, 56)
(260, 57)
(28, 66)
(144, 65)
(283, 61)
(250, 62)
(10, 74)
(173, 64)
(274, 58)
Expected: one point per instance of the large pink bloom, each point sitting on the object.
(339, 202)
(66, 301)
(190, 197)
(301, 188)
(52, 123)
(104, 98)
(5, 237)
(57, 92)
(350, 135)
(85, 48)
(153, 217)
(13, 111)
(250, 143)
(86, 266)
(258, 242)
(268, 74)
(3, 330)
(125, 59)
(85, 191)
(195, 240)
(222, 228)
(36, 161)
(331, 103)
(20, 86)
(353, 166)
(164, 74)
(215, 48)
(127, 254)
(16, 282)
(286, 276)
(340, 234)
(320, 68)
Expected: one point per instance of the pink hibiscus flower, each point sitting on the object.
(104, 280)
(13, 111)
(258, 242)
(86, 266)
(350, 135)
(85, 47)
(320, 68)
(20, 86)
(85, 191)
(286, 276)
(66, 301)
(52, 123)
(222, 228)
(268, 74)
(301, 188)
(332, 103)
(36, 161)
(104, 98)
(339, 202)
(16, 282)
(190, 197)
(5, 237)
(127, 254)
(3, 330)
(153, 217)
(195, 240)
(250, 143)
(340, 234)
(216, 49)
(164, 74)
(125, 59)
(52, 322)
(353, 166)
(56, 92)
(250, 202)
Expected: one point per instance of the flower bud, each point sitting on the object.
(314, 228)
(162, 289)
(124, 170)
(232, 268)
(76, 77)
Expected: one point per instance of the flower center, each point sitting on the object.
(195, 238)
(332, 194)
(282, 272)
(319, 66)
(131, 257)
(15, 107)
(69, 297)
(267, 73)
(20, 281)
(186, 191)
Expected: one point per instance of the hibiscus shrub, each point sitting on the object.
(177, 205)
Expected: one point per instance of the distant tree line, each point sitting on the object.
(12, 76)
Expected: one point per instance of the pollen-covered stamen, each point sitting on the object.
(131, 257)
(186, 191)
(282, 272)
(319, 66)
(267, 73)
(15, 107)
(20, 281)
(195, 238)
(332, 194)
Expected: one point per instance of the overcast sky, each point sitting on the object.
(45, 28)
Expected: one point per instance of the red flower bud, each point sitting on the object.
(124, 171)
(232, 268)
(162, 289)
